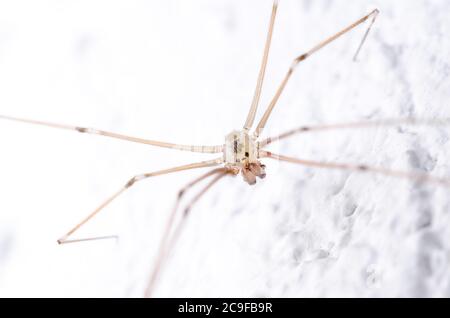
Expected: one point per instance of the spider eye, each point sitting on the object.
(246, 154)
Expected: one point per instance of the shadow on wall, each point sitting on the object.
(6, 243)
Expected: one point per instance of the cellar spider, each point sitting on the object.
(243, 151)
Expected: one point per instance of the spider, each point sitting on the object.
(243, 151)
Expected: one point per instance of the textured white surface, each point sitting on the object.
(184, 71)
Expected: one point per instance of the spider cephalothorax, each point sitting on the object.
(241, 151)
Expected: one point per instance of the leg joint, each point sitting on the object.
(301, 57)
(81, 129)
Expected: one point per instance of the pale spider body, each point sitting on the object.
(241, 154)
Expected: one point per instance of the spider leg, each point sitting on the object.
(420, 177)
(169, 241)
(306, 55)
(394, 122)
(64, 239)
(105, 237)
(252, 112)
(93, 131)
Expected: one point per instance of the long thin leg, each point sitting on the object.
(92, 131)
(252, 113)
(303, 57)
(169, 241)
(170, 222)
(106, 237)
(421, 177)
(130, 183)
(394, 122)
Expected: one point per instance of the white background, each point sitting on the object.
(184, 72)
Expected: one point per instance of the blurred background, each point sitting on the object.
(184, 72)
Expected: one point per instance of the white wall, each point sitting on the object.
(184, 71)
